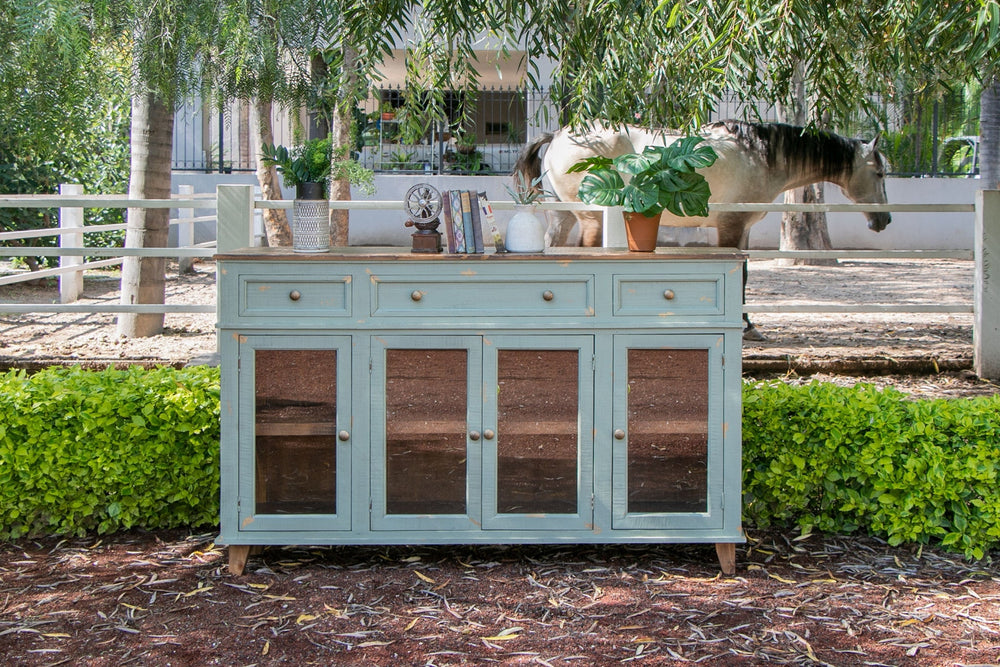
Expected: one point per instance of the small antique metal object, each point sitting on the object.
(423, 205)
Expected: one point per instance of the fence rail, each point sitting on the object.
(236, 206)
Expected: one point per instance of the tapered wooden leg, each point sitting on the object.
(727, 557)
(238, 554)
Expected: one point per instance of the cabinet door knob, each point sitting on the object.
(344, 436)
(488, 434)
(548, 295)
(416, 295)
(474, 435)
(668, 294)
(619, 434)
(295, 295)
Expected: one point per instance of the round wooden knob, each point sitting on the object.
(548, 295)
(488, 434)
(619, 434)
(417, 295)
(344, 436)
(668, 294)
(474, 435)
(295, 295)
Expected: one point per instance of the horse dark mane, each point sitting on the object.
(833, 153)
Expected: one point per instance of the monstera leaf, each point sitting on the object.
(603, 188)
(685, 194)
(660, 178)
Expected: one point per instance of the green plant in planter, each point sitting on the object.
(465, 142)
(308, 163)
(660, 178)
(525, 193)
(315, 161)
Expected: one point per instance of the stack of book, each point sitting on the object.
(469, 223)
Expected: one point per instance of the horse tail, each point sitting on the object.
(529, 164)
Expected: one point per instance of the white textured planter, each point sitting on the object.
(525, 232)
(310, 225)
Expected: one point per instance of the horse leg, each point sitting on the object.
(560, 225)
(591, 228)
(734, 232)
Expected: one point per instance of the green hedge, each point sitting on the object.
(84, 451)
(841, 460)
(98, 451)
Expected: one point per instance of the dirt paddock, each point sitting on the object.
(166, 598)
(925, 354)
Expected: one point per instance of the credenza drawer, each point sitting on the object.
(475, 296)
(288, 296)
(668, 295)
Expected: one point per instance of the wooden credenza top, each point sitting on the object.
(356, 253)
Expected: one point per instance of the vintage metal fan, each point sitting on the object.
(423, 206)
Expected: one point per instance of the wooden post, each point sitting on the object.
(614, 228)
(185, 230)
(234, 228)
(986, 328)
(70, 284)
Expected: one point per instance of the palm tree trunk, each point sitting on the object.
(989, 139)
(144, 278)
(341, 138)
(275, 220)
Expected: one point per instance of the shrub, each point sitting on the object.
(98, 451)
(84, 451)
(842, 459)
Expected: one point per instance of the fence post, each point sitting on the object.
(70, 284)
(614, 228)
(986, 328)
(234, 218)
(185, 230)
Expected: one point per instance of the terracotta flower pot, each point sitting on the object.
(641, 231)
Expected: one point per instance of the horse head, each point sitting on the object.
(866, 184)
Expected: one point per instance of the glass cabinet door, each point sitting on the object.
(538, 442)
(426, 415)
(667, 434)
(295, 471)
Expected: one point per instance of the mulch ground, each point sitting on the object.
(167, 599)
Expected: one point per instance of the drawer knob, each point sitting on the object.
(416, 295)
(548, 295)
(668, 294)
(344, 436)
(619, 434)
(488, 434)
(295, 295)
(474, 436)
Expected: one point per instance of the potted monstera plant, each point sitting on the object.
(647, 183)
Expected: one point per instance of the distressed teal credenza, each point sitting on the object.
(382, 397)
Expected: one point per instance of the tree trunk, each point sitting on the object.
(275, 220)
(805, 231)
(802, 231)
(340, 189)
(144, 278)
(989, 135)
(341, 136)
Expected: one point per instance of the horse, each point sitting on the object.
(756, 162)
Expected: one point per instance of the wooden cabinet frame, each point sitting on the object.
(476, 464)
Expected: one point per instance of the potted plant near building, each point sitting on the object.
(308, 168)
(660, 178)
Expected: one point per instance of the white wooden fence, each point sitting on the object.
(236, 207)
